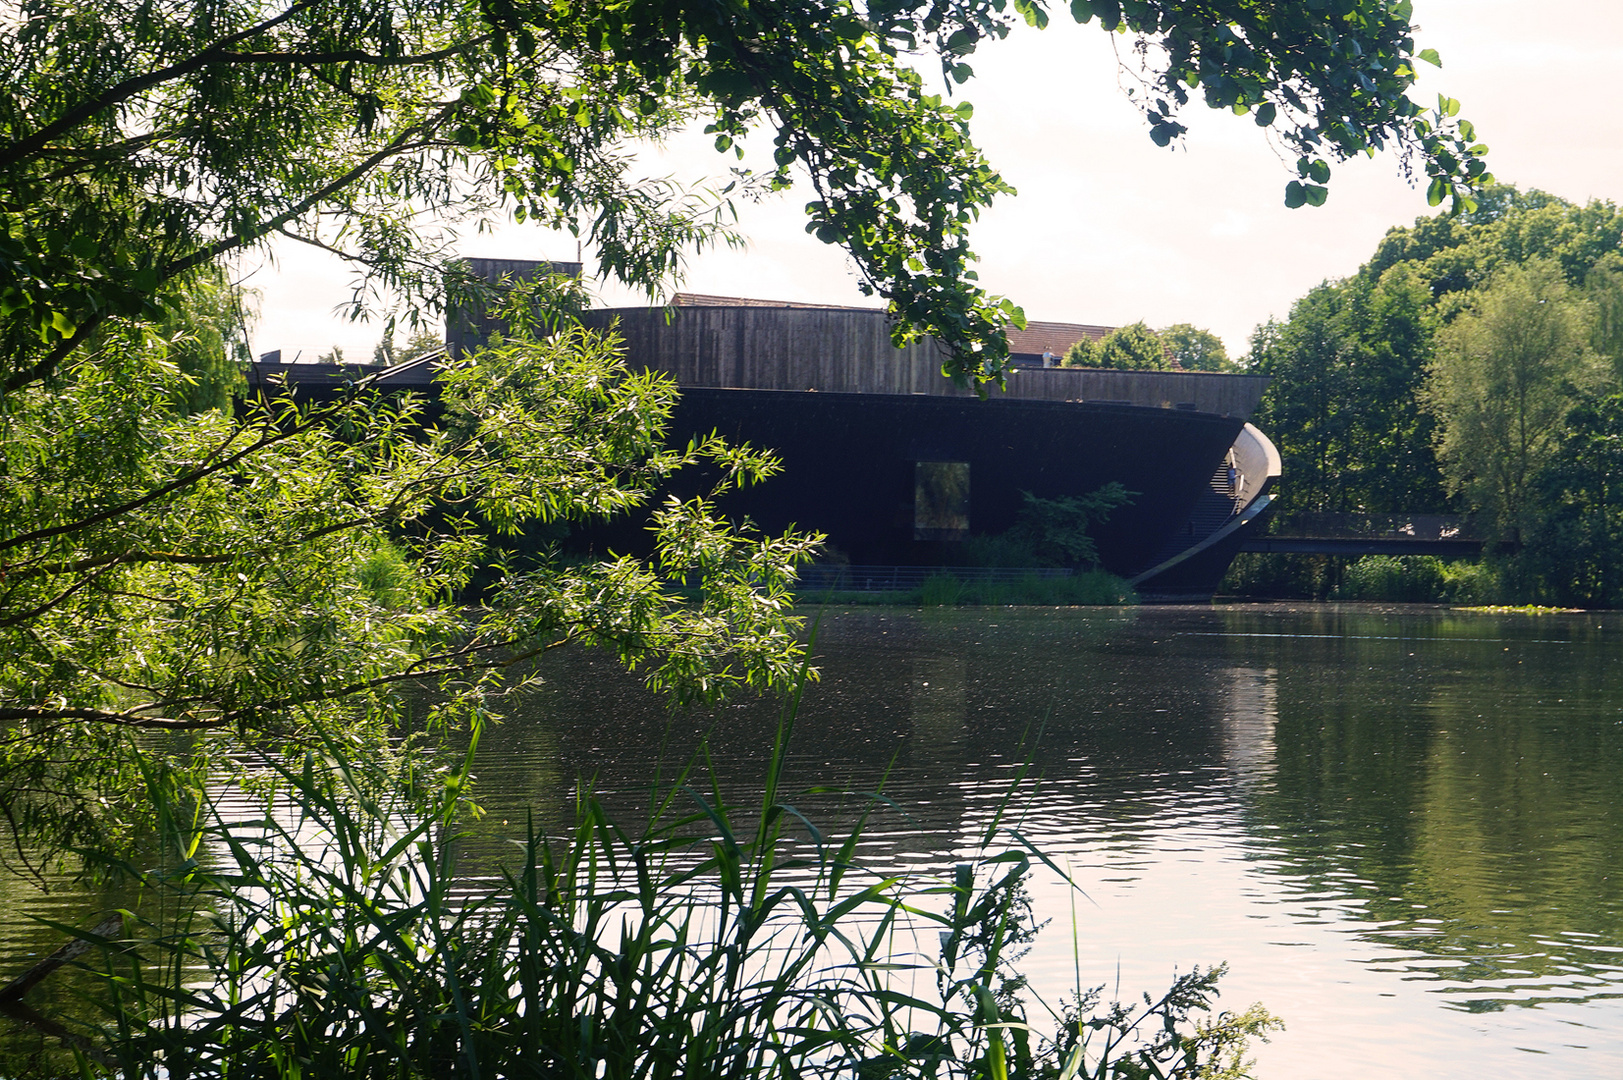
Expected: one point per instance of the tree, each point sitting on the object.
(1501, 385)
(1307, 405)
(275, 576)
(1084, 353)
(1390, 466)
(140, 143)
(204, 329)
(1195, 349)
(1056, 531)
(422, 342)
(1349, 365)
(1573, 553)
(1371, 414)
(1134, 347)
(1603, 287)
(262, 577)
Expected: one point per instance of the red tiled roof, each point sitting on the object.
(1057, 336)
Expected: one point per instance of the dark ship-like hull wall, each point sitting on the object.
(850, 466)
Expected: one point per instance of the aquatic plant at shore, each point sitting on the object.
(334, 937)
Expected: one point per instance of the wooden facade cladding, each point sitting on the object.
(845, 350)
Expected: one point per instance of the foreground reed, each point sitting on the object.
(332, 938)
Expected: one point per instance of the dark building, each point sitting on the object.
(895, 463)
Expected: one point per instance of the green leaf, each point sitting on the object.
(1296, 195)
(1437, 191)
(1266, 113)
(849, 28)
(1316, 194)
(1430, 56)
(1319, 171)
(1082, 10)
(1034, 13)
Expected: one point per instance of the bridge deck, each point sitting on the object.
(1362, 545)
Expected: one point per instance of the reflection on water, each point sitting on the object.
(1398, 826)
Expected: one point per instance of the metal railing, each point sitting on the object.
(1394, 526)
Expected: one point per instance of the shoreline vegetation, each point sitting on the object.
(1091, 588)
(1487, 584)
(337, 935)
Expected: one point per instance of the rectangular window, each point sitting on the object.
(940, 500)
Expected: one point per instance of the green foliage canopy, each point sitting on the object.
(1343, 406)
(1501, 384)
(1473, 365)
(1057, 531)
(1195, 349)
(140, 142)
(256, 580)
(1349, 365)
(1134, 347)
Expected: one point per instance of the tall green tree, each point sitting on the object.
(1603, 287)
(1350, 363)
(1195, 349)
(1134, 347)
(1307, 407)
(1505, 376)
(1391, 325)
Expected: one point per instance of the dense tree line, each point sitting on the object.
(1473, 366)
(1136, 347)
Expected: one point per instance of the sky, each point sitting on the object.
(1108, 228)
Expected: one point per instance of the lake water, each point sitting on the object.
(1402, 828)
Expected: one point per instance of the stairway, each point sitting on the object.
(1190, 564)
(1212, 510)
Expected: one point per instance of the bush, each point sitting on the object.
(1421, 579)
(1397, 579)
(941, 590)
(1472, 583)
(1281, 577)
